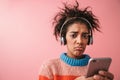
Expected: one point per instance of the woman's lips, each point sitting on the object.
(79, 48)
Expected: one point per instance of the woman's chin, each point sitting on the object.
(78, 53)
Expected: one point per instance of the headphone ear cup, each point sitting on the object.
(62, 40)
(90, 40)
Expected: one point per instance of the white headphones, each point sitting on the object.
(90, 41)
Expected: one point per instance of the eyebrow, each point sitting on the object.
(77, 32)
(74, 32)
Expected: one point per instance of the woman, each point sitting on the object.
(74, 27)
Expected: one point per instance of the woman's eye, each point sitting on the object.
(85, 36)
(73, 35)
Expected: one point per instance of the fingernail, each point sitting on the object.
(101, 72)
(96, 77)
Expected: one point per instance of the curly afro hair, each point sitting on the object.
(70, 11)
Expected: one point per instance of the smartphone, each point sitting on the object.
(96, 64)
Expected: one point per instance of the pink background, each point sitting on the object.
(26, 35)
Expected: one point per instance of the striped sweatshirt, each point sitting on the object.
(63, 68)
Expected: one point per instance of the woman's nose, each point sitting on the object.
(79, 40)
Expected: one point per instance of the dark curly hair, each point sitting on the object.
(70, 11)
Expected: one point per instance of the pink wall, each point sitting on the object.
(26, 36)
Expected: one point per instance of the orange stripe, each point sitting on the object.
(58, 77)
(43, 78)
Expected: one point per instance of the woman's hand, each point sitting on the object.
(102, 75)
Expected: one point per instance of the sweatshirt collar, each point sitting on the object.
(73, 61)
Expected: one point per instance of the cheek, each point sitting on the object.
(69, 40)
(85, 42)
(70, 43)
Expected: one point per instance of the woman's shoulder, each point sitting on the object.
(51, 62)
(49, 67)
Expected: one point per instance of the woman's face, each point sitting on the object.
(77, 38)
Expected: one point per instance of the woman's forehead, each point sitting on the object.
(77, 27)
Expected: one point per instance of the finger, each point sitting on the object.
(106, 74)
(90, 78)
(98, 77)
(80, 78)
(105, 78)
